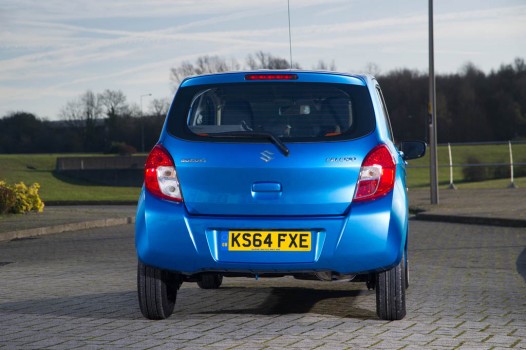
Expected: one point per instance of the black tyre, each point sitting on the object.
(390, 293)
(406, 271)
(157, 291)
(210, 281)
(406, 264)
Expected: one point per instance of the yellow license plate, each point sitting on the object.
(283, 241)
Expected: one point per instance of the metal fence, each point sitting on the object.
(470, 162)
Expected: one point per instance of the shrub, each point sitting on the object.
(474, 173)
(7, 198)
(519, 171)
(20, 198)
(482, 173)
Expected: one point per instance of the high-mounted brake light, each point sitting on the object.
(160, 177)
(271, 76)
(377, 175)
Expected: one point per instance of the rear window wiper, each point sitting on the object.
(251, 134)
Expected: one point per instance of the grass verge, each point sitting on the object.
(418, 169)
(30, 168)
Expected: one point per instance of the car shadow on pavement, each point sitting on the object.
(194, 301)
(521, 264)
(292, 300)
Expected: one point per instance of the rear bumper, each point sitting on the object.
(370, 237)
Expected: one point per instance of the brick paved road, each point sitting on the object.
(468, 291)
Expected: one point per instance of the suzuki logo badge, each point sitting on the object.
(266, 156)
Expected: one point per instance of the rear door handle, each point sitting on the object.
(266, 190)
(266, 187)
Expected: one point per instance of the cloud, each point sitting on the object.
(60, 47)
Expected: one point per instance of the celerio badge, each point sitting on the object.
(340, 159)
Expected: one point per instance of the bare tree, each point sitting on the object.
(159, 106)
(322, 65)
(215, 64)
(83, 113)
(85, 109)
(91, 107)
(373, 68)
(114, 102)
(203, 65)
(72, 112)
(177, 74)
(134, 110)
(265, 60)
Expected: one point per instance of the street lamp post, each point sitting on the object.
(432, 114)
(142, 124)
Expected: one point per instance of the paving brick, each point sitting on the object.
(475, 346)
(445, 342)
(77, 291)
(503, 340)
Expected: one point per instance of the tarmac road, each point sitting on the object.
(77, 291)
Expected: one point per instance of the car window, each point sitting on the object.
(295, 111)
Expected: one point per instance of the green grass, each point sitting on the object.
(30, 168)
(418, 171)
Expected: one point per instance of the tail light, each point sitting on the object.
(265, 76)
(377, 175)
(160, 177)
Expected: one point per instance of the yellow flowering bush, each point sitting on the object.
(20, 198)
(7, 198)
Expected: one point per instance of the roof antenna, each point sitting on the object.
(290, 36)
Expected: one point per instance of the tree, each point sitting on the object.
(265, 60)
(72, 112)
(215, 64)
(406, 96)
(113, 102)
(505, 102)
(83, 114)
(373, 68)
(159, 107)
(471, 106)
(203, 65)
(91, 107)
(322, 65)
(19, 132)
(86, 109)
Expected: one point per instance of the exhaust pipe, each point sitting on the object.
(330, 276)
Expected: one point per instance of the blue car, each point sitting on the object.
(275, 173)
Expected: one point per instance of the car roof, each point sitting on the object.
(308, 76)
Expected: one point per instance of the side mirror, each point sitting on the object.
(412, 149)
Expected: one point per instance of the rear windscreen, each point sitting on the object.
(290, 111)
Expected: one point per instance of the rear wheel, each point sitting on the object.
(157, 291)
(210, 281)
(406, 271)
(406, 265)
(390, 292)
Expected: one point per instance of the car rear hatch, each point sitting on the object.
(270, 147)
(257, 179)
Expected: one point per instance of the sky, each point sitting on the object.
(53, 51)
